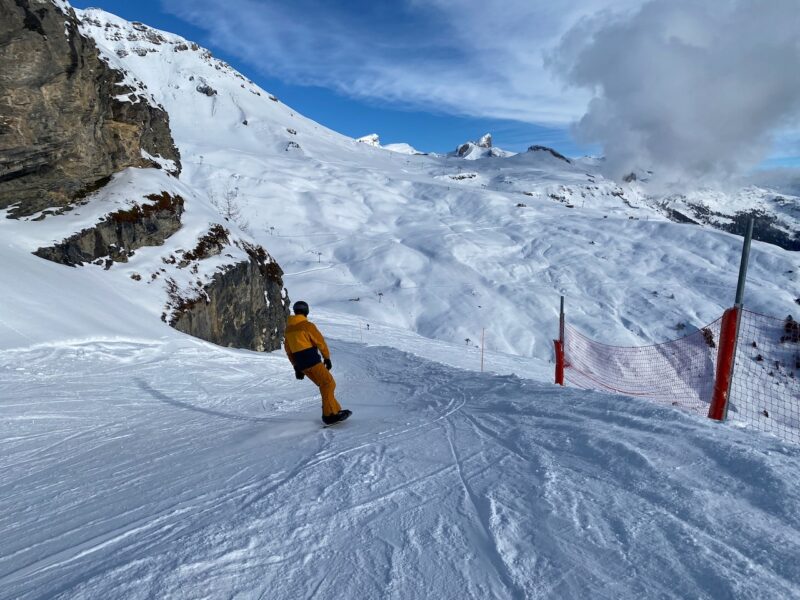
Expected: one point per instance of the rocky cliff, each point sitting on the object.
(120, 234)
(244, 305)
(68, 123)
(67, 120)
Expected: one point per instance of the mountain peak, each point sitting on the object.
(485, 141)
(555, 153)
(481, 148)
(373, 139)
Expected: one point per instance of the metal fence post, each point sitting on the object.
(729, 337)
(559, 346)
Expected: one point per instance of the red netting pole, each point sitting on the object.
(727, 349)
(559, 361)
(559, 344)
(729, 332)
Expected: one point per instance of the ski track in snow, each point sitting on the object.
(182, 470)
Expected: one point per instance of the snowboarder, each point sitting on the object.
(303, 344)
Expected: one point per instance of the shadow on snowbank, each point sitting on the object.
(143, 385)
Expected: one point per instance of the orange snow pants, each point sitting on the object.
(326, 384)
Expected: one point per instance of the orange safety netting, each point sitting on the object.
(764, 391)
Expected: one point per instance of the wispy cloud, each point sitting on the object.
(464, 57)
(688, 88)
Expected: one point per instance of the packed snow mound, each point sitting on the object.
(169, 471)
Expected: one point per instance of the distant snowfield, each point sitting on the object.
(440, 245)
(177, 469)
(140, 463)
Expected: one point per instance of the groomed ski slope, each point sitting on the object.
(172, 468)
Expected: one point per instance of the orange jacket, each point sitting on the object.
(303, 339)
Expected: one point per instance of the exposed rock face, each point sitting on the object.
(206, 89)
(764, 226)
(556, 154)
(67, 125)
(117, 237)
(243, 307)
(464, 149)
(62, 128)
(485, 141)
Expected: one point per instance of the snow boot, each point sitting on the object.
(335, 418)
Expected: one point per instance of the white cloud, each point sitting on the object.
(688, 88)
(467, 57)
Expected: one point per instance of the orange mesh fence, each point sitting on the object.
(678, 373)
(765, 390)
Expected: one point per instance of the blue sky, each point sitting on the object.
(436, 73)
(427, 125)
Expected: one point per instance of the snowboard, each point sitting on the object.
(342, 420)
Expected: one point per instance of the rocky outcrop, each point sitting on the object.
(479, 149)
(464, 149)
(244, 306)
(765, 228)
(117, 236)
(549, 150)
(485, 141)
(66, 123)
(206, 89)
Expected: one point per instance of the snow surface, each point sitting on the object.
(374, 140)
(176, 469)
(401, 148)
(140, 463)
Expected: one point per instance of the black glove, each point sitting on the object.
(299, 374)
(328, 364)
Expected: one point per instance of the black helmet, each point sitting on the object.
(300, 308)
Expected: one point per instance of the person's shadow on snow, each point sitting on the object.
(143, 385)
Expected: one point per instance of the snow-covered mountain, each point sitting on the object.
(374, 140)
(482, 148)
(435, 244)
